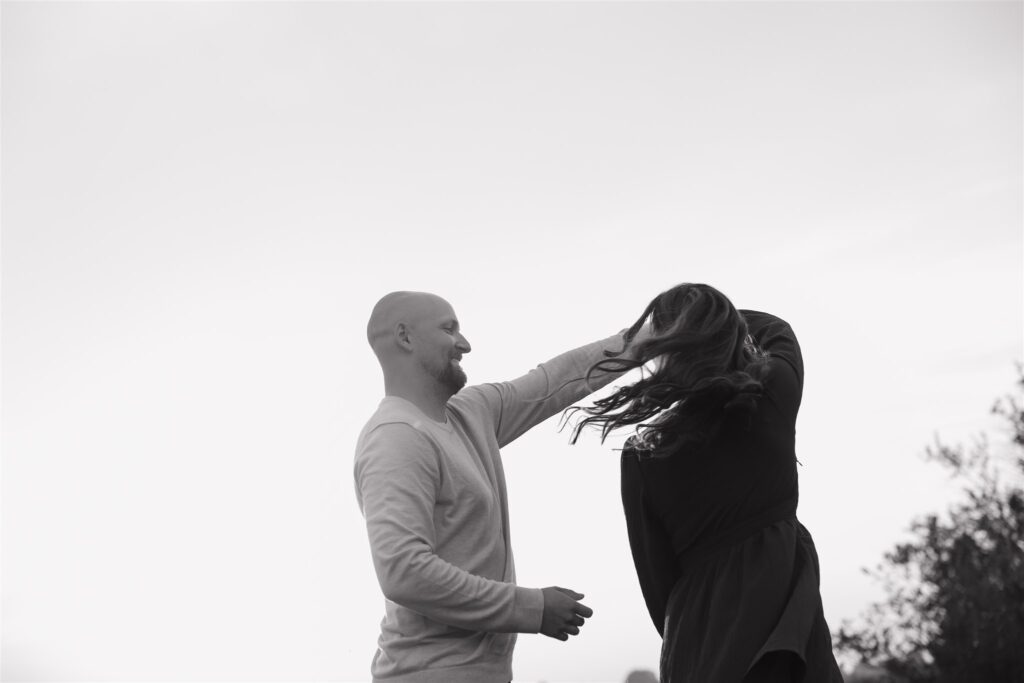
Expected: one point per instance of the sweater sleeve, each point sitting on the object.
(517, 405)
(397, 478)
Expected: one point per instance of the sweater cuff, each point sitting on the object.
(529, 609)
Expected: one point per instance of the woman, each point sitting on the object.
(709, 487)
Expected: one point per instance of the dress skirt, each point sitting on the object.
(757, 596)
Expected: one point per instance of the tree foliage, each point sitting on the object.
(954, 610)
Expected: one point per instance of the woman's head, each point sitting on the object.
(706, 369)
(692, 323)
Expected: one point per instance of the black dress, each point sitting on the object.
(729, 575)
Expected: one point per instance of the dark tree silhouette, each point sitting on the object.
(954, 610)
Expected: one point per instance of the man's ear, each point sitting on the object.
(402, 336)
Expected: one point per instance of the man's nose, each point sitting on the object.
(463, 344)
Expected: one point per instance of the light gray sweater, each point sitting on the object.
(433, 495)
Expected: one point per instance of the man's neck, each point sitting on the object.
(430, 400)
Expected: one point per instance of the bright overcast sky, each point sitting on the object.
(202, 202)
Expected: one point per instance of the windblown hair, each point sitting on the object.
(708, 371)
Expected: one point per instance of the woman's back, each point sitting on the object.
(729, 575)
(706, 495)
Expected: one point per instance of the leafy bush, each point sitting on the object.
(954, 610)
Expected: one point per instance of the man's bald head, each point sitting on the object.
(416, 338)
(409, 308)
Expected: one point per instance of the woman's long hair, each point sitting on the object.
(707, 369)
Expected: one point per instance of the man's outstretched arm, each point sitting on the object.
(552, 386)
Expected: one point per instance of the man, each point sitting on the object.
(430, 483)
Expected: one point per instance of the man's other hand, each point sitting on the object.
(563, 614)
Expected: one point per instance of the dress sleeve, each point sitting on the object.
(650, 544)
(517, 405)
(775, 336)
(396, 476)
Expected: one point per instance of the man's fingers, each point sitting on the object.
(563, 617)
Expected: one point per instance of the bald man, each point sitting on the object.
(430, 484)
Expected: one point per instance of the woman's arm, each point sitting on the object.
(786, 364)
(650, 544)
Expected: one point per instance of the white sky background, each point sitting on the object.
(202, 202)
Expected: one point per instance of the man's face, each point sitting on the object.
(441, 345)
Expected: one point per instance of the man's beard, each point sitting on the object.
(452, 377)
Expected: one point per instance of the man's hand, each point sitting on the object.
(563, 616)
